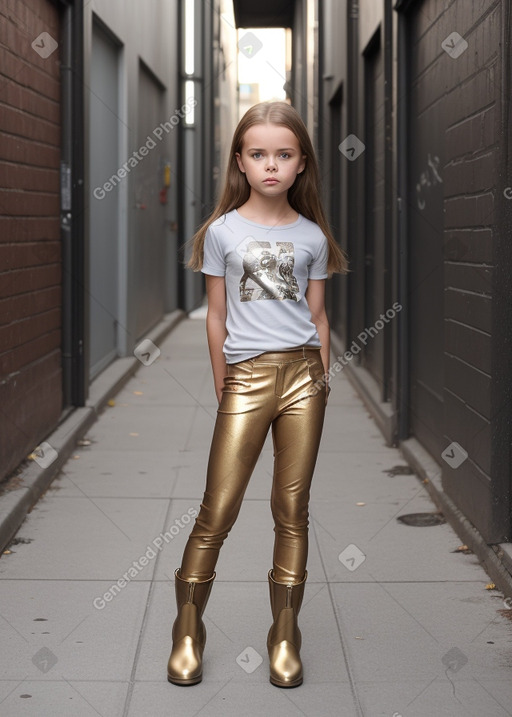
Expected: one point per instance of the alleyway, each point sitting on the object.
(395, 622)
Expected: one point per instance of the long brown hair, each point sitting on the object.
(303, 195)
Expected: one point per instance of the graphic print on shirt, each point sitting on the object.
(268, 272)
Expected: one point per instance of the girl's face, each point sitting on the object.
(271, 158)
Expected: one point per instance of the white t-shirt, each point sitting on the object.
(266, 273)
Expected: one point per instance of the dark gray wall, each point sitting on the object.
(146, 245)
(423, 216)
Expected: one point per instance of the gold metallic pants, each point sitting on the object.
(272, 389)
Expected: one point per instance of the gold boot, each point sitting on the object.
(284, 638)
(185, 666)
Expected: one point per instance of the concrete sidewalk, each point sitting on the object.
(395, 621)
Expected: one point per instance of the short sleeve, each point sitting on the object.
(213, 259)
(318, 267)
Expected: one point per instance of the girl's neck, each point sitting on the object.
(260, 210)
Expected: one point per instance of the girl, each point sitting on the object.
(266, 251)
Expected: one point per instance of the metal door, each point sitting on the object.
(374, 275)
(426, 225)
(104, 205)
(150, 227)
(334, 182)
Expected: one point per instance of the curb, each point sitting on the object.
(495, 559)
(22, 492)
(488, 555)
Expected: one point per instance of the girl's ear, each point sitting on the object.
(240, 163)
(302, 165)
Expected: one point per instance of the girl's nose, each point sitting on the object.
(271, 163)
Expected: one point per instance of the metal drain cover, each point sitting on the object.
(422, 520)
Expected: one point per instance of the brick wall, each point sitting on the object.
(472, 107)
(30, 251)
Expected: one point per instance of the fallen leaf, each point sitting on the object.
(84, 442)
(111, 402)
(138, 393)
(490, 586)
(360, 503)
(463, 549)
(134, 434)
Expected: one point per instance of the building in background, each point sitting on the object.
(133, 107)
(114, 125)
(38, 115)
(414, 136)
(264, 64)
(209, 33)
(288, 52)
(115, 128)
(408, 104)
(249, 95)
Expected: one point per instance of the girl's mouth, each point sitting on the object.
(271, 181)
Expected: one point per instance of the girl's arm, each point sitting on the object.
(216, 329)
(315, 297)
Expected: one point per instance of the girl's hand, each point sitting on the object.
(216, 329)
(327, 387)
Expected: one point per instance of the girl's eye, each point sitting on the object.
(257, 155)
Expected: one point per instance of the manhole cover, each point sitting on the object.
(422, 520)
